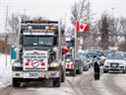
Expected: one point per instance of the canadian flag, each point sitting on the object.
(81, 27)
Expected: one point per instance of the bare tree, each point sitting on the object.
(123, 26)
(14, 24)
(78, 10)
(14, 21)
(122, 33)
(104, 29)
(115, 29)
(122, 46)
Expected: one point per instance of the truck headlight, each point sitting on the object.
(54, 66)
(16, 64)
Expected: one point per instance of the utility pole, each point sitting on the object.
(6, 36)
(6, 21)
(75, 51)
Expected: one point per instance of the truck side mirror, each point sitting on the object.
(13, 53)
(55, 41)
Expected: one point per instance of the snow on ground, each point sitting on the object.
(5, 70)
(120, 81)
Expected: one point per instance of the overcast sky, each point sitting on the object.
(58, 8)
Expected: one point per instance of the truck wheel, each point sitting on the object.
(56, 83)
(124, 71)
(105, 71)
(15, 83)
(80, 70)
(73, 73)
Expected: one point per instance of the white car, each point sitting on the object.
(115, 63)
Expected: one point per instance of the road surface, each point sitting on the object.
(109, 84)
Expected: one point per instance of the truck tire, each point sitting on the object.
(15, 83)
(123, 71)
(56, 82)
(105, 71)
(79, 71)
(73, 73)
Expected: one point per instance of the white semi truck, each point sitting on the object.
(39, 53)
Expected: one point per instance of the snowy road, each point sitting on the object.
(109, 84)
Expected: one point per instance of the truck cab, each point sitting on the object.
(39, 53)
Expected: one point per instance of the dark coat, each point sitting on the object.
(96, 67)
(96, 71)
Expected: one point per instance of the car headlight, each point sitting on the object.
(122, 64)
(106, 66)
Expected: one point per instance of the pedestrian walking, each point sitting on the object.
(96, 71)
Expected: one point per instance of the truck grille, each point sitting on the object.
(114, 65)
(17, 68)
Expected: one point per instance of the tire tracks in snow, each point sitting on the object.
(82, 84)
(6, 90)
(112, 86)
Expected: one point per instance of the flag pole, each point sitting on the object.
(75, 34)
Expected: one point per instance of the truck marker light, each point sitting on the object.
(43, 64)
(72, 66)
(27, 63)
(68, 65)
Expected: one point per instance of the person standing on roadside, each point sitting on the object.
(96, 71)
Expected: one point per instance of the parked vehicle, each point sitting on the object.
(86, 60)
(39, 55)
(70, 66)
(79, 66)
(115, 62)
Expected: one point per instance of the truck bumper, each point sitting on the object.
(33, 79)
(67, 70)
(36, 75)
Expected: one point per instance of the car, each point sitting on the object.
(115, 62)
(125, 55)
(86, 60)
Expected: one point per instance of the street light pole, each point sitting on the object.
(75, 34)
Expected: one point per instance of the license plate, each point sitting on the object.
(32, 75)
(114, 65)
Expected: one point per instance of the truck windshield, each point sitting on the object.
(38, 40)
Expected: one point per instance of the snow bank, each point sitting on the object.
(5, 70)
